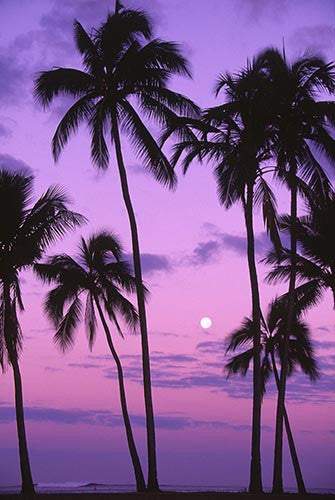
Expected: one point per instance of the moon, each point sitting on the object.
(206, 323)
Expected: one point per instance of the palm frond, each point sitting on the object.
(47, 221)
(98, 124)
(146, 146)
(56, 300)
(15, 196)
(266, 371)
(18, 295)
(81, 110)
(118, 32)
(241, 336)
(314, 175)
(265, 196)
(61, 81)
(115, 301)
(239, 363)
(87, 49)
(101, 249)
(164, 55)
(90, 320)
(64, 336)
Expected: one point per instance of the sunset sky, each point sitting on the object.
(194, 265)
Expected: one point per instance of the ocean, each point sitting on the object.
(128, 488)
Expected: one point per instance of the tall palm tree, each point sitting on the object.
(236, 137)
(99, 273)
(125, 79)
(25, 233)
(300, 355)
(315, 260)
(302, 127)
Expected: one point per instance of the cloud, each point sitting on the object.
(212, 346)
(324, 344)
(13, 164)
(211, 250)
(83, 365)
(318, 38)
(158, 357)
(205, 252)
(326, 363)
(41, 330)
(11, 77)
(138, 169)
(301, 390)
(166, 369)
(256, 11)
(238, 244)
(206, 370)
(50, 44)
(166, 334)
(152, 263)
(52, 369)
(323, 328)
(7, 124)
(4, 131)
(108, 418)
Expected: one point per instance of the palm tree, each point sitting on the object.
(302, 127)
(315, 262)
(236, 136)
(99, 273)
(124, 80)
(25, 233)
(300, 354)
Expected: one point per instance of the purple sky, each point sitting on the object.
(193, 257)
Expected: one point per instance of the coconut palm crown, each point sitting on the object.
(300, 355)
(302, 133)
(124, 82)
(96, 273)
(124, 79)
(301, 352)
(315, 257)
(236, 138)
(98, 276)
(26, 230)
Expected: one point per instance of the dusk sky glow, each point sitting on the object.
(193, 259)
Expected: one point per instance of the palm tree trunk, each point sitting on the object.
(152, 484)
(140, 483)
(277, 484)
(294, 456)
(27, 481)
(255, 485)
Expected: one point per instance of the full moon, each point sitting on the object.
(206, 323)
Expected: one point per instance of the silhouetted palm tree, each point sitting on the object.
(236, 137)
(301, 127)
(122, 74)
(315, 266)
(25, 233)
(99, 273)
(300, 355)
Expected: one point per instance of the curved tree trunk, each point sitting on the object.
(27, 481)
(255, 485)
(140, 483)
(294, 456)
(277, 484)
(152, 484)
